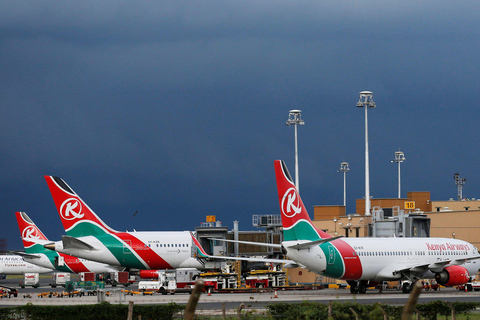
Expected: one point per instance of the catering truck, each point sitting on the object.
(30, 279)
(59, 279)
(171, 281)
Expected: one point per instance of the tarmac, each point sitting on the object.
(234, 300)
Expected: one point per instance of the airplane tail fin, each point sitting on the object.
(77, 218)
(200, 253)
(29, 230)
(295, 220)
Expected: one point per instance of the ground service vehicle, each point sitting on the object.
(86, 276)
(8, 291)
(122, 278)
(30, 279)
(59, 279)
(149, 286)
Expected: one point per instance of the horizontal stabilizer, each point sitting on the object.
(308, 245)
(27, 255)
(74, 243)
(38, 241)
(266, 260)
(261, 244)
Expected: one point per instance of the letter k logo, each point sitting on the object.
(291, 206)
(30, 233)
(71, 209)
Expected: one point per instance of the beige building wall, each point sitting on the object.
(455, 205)
(301, 276)
(347, 226)
(328, 212)
(304, 276)
(420, 198)
(464, 225)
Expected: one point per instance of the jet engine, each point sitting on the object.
(147, 274)
(452, 276)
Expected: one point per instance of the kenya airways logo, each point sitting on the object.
(30, 232)
(291, 203)
(71, 209)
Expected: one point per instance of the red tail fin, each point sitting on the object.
(28, 229)
(77, 218)
(295, 220)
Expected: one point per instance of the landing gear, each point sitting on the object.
(407, 287)
(357, 287)
(353, 287)
(362, 288)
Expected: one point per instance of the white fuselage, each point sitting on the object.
(13, 264)
(381, 259)
(71, 264)
(140, 250)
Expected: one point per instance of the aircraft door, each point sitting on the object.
(126, 246)
(331, 255)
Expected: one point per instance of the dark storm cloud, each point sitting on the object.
(177, 108)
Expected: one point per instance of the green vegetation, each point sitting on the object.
(314, 310)
(295, 311)
(101, 311)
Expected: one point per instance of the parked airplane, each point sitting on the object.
(365, 262)
(14, 264)
(35, 253)
(89, 237)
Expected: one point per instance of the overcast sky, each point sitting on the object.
(177, 109)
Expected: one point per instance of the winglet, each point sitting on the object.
(200, 251)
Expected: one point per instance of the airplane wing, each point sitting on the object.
(418, 267)
(27, 255)
(74, 243)
(291, 263)
(261, 244)
(38, 241)
(308, 245)
(423, 267)
(299, 246)
(203, 254)
(462, 260)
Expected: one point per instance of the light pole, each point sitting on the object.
(399, 158)
(344, 168)
(295, 118)
(366, 101)
(459, 182)
(363, 226)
